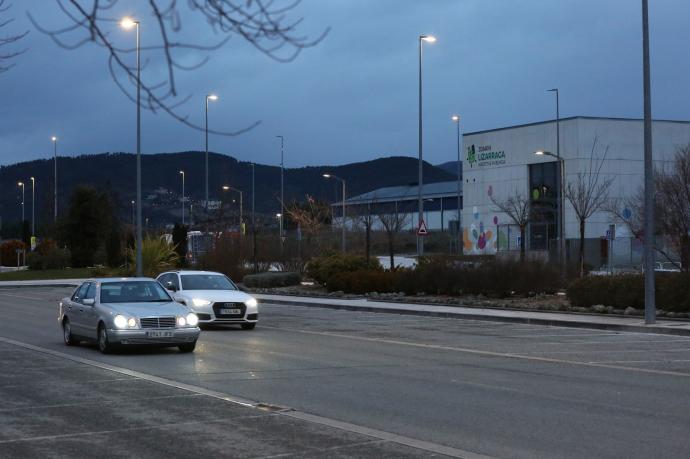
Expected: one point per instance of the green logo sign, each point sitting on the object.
(471, 155)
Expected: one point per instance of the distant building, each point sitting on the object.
(500, 163)
(440, 205)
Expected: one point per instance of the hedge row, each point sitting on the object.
(672, 291)
(446, 276)
(271, 279)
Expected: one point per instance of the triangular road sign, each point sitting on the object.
(422, 231)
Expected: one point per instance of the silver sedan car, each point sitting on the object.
(127, 311)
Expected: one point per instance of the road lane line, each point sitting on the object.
(282, 411)
(484, 353)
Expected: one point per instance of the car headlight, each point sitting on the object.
(120, 321)
(192, 320)
(200, 302)
(251, 302)
(132, 322)
(181, 321)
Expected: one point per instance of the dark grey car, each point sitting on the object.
(127, 311)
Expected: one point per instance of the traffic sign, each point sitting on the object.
(422, 231)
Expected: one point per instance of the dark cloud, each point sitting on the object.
(354, 97)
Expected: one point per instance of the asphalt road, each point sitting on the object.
(502, 390)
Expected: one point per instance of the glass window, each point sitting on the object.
(133, 292)
(80, 292)
(206, 282)
(90, 293)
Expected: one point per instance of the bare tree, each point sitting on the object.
(671, 210)
(7, 54)
(393, 222)
(267, 25)
(311, 217)
(587, 194)
(517, 208)
(364, 216)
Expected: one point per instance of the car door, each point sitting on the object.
(89, 312)
(75, 310)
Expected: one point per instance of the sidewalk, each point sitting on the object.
(601, 322)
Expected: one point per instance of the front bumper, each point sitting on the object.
(144, 336)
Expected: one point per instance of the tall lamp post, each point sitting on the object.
(208, 97)
(182, 173)
(343, 222)
(561, 203)
(33, 206)
(129, 23)
(230, 188)
(21, 184)
(253, 223)
(456, 120)
(649, 291)
(55, 139)
(133, 214)
(420, 240)
(282, 188)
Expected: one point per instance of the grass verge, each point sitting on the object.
(48, 274)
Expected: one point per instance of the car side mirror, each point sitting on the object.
(89, 301)
(170, 286)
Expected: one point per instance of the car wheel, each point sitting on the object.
(103, 344)
(187, 347)
(248, 326)
(67, 333)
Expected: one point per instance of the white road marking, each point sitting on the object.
(382, 435)
(485, 353)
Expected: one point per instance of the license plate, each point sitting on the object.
(231, 311)
(160, 334)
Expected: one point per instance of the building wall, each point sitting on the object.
(501, 169)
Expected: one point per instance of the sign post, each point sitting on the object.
(422, 230)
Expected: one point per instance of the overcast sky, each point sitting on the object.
(354, 96)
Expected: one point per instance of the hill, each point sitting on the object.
(160, 175)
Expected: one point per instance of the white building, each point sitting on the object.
(502, 163)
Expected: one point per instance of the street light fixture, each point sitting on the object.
(230, 188)
(21, 184)
(456, 120)
(343, 222)
(282, 188)
(33, 206)
(129, 23)
(54, 139)
(420, 203)
(182, 173)
(214, 98)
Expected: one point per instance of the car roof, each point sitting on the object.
(104, 280)
(191, 271)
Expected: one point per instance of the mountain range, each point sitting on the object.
(116, 173)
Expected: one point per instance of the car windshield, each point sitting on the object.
(206, 282)
(133, 292)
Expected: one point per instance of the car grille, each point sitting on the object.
(218, 306)
(158, 322)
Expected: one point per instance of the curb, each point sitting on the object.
(477, 316)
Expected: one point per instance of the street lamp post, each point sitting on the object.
(182, 173)
(253, 223)
(561, 203)
(282, 188)
(133, 214)
(343, 222)
(649, 289)
(21, 184)
(55, 139)
(456, 120)
(33, 206)
(129, 23)
(230, 188)
(420, 240)
(208, 97)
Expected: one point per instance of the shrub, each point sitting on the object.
(672, 291)
(322, 269)
(271, 279)
(157, 256)
(8, 251)
(361, 282)
(227, 256)
(51, 258)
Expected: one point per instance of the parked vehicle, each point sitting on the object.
(127, 311)
(213, 297)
